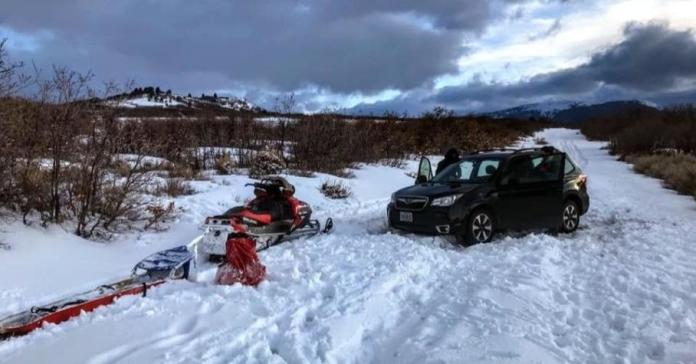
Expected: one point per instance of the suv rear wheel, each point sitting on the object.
(480, 228)
(571, 217)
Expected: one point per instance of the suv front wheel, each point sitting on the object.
(479, 229)
(571, 217)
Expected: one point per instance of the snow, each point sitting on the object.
(173, 100)
(621, 289)
(144, 101)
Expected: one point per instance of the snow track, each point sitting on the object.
(620, 289)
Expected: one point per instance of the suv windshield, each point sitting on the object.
(469, 170)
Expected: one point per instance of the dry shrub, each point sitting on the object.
(540, 141)
(343, 173)
(121, 168)
(677, 171)
(647, 131)
(33, 190)
(158, 213)
(266, 163)
(181, 170)
(335, 189)
(301, 173)
(224, 164)
(393, 162)
(175, 187)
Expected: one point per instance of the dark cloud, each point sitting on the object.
(341, 45)
(651, 60)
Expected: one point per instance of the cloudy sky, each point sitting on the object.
(369, 56)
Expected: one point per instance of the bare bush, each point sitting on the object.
(335, 189)
(677, 171)
(159, 213)
(658, 143)
(224, 164)
(301, 173)
(265, 163)
(175, 187)
(182, 170)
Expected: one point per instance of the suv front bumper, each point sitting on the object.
(429, 221)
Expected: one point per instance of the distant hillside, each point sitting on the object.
(154, 98)
(571, 112)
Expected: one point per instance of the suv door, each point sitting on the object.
(425, 171)
(531, 191)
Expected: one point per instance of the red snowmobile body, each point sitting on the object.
(273, 216)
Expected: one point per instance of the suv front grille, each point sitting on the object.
(412, 203)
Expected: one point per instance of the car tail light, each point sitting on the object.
(583, 179)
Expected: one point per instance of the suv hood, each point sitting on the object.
(436, 189)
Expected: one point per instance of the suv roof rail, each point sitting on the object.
(546, 149)
(493, 150)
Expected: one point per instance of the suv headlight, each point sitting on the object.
(445, 201)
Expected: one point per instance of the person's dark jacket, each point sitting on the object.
(451, 157)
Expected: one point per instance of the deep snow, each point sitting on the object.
(621, 289)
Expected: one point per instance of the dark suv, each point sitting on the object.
(493, 190)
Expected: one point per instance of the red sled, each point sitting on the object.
(150, 272)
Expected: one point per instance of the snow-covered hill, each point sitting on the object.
(621, 289)
(151, 99)
(536, 110)
(571, 111)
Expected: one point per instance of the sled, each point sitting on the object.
(150, 272)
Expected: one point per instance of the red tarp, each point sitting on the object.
(241, 265)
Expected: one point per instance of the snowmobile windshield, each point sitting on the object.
(469, 170)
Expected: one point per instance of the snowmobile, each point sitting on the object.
(272, 217)
(152, 271)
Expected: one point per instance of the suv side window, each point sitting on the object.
(487, 168)
(517, 168)
(569, 166)
(547, 168)
(533, 169)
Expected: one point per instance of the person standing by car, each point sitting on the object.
(451, 157)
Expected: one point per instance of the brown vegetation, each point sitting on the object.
(335, 189)
(661, 144)
(677, 171)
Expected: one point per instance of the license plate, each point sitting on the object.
(406, 216)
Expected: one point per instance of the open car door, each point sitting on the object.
(425, 171)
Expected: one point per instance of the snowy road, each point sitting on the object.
(621, 289)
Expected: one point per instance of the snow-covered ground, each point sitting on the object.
(620, 289)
